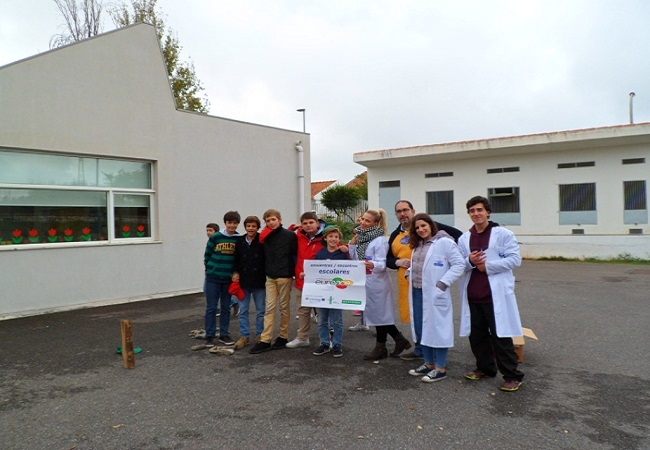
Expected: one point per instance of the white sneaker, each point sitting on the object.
(359, 327)
(298, 343)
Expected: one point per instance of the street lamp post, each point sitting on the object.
(302, 110)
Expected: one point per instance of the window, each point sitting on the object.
(440, 202)
(438, 174)
(505, 205)
(633, 161)
(635, 201)
(50, 199)
(578, 204)
(576, 164)
(503, 170)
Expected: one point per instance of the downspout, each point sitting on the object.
(301, 177)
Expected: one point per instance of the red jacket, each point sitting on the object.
(307, 249)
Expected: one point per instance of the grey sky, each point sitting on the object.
(376, 74)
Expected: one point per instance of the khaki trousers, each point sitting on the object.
(278, 292)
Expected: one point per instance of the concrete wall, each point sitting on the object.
(109, 97)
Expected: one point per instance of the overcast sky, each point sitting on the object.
(377, 74)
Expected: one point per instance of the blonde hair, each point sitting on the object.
(272, 212)
(380, 217)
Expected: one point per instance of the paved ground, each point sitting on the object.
(587, 380)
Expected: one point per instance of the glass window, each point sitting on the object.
(635, 195)
(578, 197)
(440, 203)
(504, 200)
(72, 198)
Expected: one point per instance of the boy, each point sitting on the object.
(218, 259)
(326, 316)
(211, 228)
(309, 238)
(489, 313)
(249, 270)
(280, 250)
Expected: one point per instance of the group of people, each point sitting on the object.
(429, 258)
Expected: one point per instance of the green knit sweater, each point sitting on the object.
(219, 256)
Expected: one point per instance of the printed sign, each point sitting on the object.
(334, 284)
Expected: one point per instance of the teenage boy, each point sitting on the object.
(211, 228)
(310, 241)
(218, 259)
(489, 313)
(249, 271)
(280, 249)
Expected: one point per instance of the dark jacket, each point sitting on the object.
(280, 250)
(250, 263)
(390, 257)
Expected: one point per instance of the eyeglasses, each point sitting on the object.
(402, 211)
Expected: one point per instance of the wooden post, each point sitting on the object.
(128, 356)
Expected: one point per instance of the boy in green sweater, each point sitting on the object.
(219, 258)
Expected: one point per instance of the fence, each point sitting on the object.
(350, 214)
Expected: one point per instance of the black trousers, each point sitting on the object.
(491, 351)
(384, 330)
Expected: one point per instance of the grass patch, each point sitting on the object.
(622, 258)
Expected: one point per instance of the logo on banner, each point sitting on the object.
(340, 283)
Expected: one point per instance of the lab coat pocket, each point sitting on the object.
(440, 298)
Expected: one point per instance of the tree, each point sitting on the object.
(340, 199)
(83, 19)
(360, 183)
(182, 76)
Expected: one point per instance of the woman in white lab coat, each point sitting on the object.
(436, 263)
(372, 247)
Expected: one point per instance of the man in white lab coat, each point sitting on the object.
(489, 313)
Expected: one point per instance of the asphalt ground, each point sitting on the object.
(587, 385)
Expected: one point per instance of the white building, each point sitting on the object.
(106, 188)
(575, 194)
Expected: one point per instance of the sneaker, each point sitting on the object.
(422, 370)
(298, 343)
(279, 343)
(476, 375)
(209, 342)
(337, 351)
(260, 347)
(242, 342)
(511, 385)
(359, 327)
(235, 310)
(357, 313)
(434, 376)
(411, 356)
(226, 340)
(322, 349)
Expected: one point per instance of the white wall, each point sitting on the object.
(109, 97)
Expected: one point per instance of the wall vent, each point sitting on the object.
(578, 231)
(636, 230)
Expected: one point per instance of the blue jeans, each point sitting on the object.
(335, 317)
(259, 297)
(216, 293)
(416, 294)
(435, 355)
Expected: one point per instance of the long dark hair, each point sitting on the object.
(414, 239)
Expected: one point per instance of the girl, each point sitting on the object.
(371, 247)
(436, 263)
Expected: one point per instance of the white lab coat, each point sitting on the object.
(380, 304)
(502, 257)
(442, 263)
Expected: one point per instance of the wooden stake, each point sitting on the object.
(128, 356)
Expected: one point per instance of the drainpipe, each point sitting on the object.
(632, 94)
(301, 177)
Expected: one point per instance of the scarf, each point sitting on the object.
(364, 237)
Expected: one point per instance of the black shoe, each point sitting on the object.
(226, 340)
(209, 342)
(279, 343)
(260, 347)
(321, 350)
(235, 309)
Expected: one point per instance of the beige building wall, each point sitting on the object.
(109, 97)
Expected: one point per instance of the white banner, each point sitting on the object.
(334, 284)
